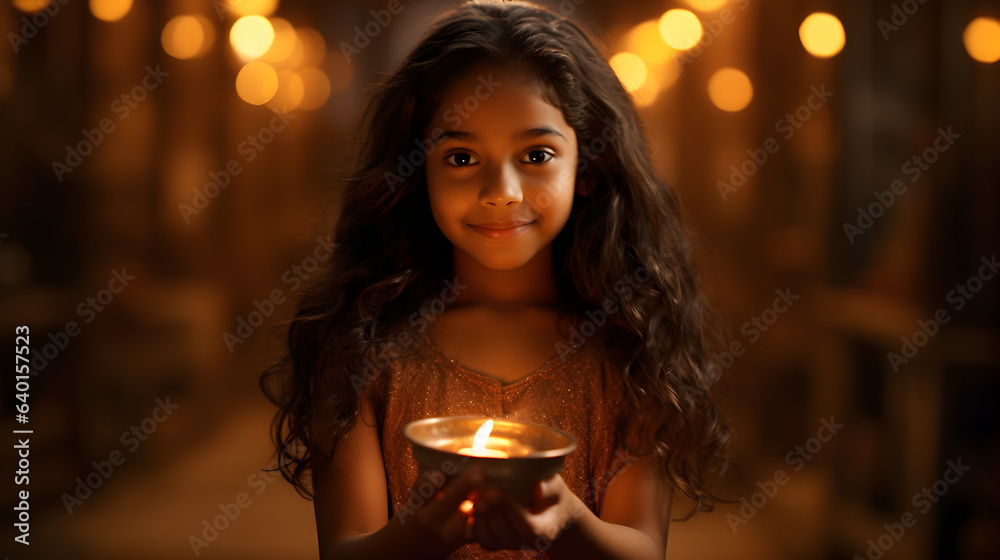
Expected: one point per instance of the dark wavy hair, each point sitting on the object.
(391, 255)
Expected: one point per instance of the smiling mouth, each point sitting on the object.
(501, 230)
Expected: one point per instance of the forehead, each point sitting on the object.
(494, 94)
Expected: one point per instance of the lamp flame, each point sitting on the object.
(482, 435)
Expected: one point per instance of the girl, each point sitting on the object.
(504, 214)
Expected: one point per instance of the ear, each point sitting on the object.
(584, 185)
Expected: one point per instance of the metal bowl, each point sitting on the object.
(536, 452)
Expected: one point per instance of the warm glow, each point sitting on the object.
(466, 507)
(187, 36)
(251, 36)
(479, 442)
(285, 42)
(290, 92)
(681, 29)
(257, 83)
(482, 436)
(252, 7)
(630, 69)
(822, 35)
(706, 5)
(316, 88)
(313, 46)
(30, 6)
(730, 89)
(110, 10)
(982, 39)
(645, 41)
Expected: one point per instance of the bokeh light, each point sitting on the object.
(30, 6)
(284, 45)
(645, 41)
(257, 82)
(291, 90)
(252, 7)
(706, 5)
(316, 88)
(680, 29)
(186, 37)
(110, 10)
(313, 46)
(630, 69)
(730, 89)
(251, 36)
(822, 35)
(982, 39)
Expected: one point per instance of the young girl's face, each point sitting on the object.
(501, 180)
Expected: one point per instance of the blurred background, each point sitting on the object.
(169, 175)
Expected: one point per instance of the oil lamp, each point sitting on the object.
(514, 455)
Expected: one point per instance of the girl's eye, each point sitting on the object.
(461, 159)
(537, 156)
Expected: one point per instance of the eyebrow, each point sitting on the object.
(524, 134)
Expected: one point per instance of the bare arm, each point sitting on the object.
(634, 519)
(633, 522)
(352, 517)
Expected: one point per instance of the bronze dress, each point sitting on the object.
(579, 392)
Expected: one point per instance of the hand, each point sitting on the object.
(499, 522)
(442, 516)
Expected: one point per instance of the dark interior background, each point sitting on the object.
(159, 344)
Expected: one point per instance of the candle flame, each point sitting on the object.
(482, 435)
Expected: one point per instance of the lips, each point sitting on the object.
(501, 230)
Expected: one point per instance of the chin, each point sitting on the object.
(505, 261)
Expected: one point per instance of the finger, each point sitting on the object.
(455, 492)
(482, 528)
(517, 516)
(508, 523)
(544, 493)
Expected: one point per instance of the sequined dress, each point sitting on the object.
(578, 392)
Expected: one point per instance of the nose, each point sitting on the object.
(502, 187)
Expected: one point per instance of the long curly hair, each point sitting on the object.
(391, 256)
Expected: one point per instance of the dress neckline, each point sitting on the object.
(545, 367)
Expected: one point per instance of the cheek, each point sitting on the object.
(554, 195)
(447, 205)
